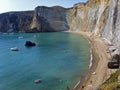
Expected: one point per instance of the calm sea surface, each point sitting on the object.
(59, 59)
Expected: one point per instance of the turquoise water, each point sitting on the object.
(59, 59)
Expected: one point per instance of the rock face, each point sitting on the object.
(50, 19)
(15, 21)
(111, 30)
(100, 17)
(89, 16)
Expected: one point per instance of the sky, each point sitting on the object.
(23, 5)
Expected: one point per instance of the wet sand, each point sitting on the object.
(99, 71)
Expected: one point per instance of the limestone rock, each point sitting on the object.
(50, 19)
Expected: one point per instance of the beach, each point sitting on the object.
(99, 71)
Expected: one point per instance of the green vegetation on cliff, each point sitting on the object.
(112, 82)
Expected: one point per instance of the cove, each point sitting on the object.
(59, 59)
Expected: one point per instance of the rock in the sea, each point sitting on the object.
(29, 44)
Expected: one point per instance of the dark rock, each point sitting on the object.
(113, 65)
(29, 44)
(116, 57)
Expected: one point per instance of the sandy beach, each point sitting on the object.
(99, 71)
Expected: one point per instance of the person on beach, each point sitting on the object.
(83, 86)
(90, 86)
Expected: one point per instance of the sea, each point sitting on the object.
(59, 60)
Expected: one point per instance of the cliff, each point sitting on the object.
(100, 17)
(42, 19)
(50, 19)
(15, 21)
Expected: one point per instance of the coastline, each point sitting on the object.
(98, 72)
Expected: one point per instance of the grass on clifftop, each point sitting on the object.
(112, 82)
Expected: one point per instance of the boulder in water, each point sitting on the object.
(29, 44)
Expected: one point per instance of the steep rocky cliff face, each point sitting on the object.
(42, 19)
(15, 21)
(88, 16)
(111, 30)
(50, 19)
(100, 17)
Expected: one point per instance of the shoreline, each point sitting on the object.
(98, 72)
(94, 60)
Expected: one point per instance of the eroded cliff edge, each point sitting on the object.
(100, 17)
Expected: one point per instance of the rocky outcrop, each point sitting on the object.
(50, 19)
(15, 21)
(29, 44)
